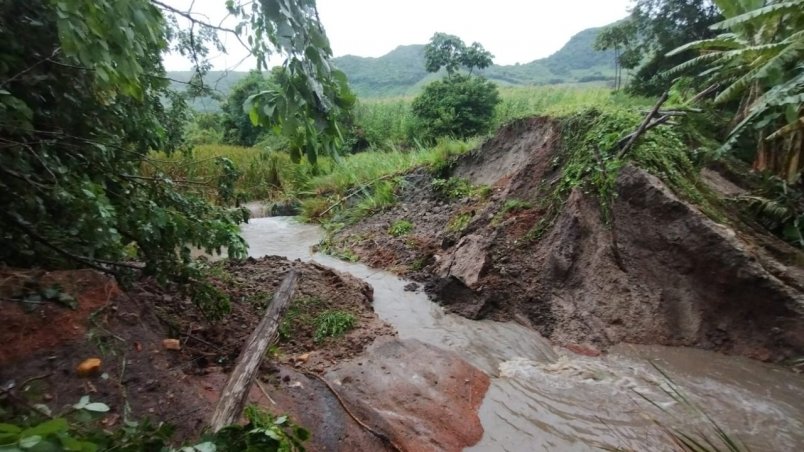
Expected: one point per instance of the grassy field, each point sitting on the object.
(390, 122)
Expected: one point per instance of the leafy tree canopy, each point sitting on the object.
(757, 59)
(236, 122)
(654, 28)
(449, 52)
(83, 100)
(458, 106)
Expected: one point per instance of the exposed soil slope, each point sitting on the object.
(675, 276)
(314, 381)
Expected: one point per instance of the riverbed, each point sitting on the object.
(547, 398)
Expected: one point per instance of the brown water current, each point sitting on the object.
(546, 398)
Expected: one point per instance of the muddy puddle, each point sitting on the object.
(547, 398)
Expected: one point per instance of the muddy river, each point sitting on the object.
(545, 398)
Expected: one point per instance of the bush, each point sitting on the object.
(333, 324)
(458, 106)
(400, 228)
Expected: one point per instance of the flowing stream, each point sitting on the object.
(545, 398)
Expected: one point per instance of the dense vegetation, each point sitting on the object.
(84, 101)
(459, 105)
(105, 166)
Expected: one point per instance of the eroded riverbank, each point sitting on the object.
(543, 398)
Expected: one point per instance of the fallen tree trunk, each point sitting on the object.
(235, 392)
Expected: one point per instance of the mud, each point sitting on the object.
(662, 273)
(412, 396)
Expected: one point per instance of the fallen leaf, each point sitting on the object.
(171, 344)
(88, 367)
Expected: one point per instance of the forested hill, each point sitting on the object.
(401, 71)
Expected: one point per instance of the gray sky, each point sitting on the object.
(515, 31)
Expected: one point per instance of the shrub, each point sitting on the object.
(333, 324)
(458, 106)
(400, 228)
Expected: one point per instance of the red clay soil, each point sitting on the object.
(181, 387)
(29, 328)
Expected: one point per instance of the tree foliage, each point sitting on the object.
(654, 28)
(758, 60)
(237, 124)
(458, 106)
(451, 53)
(83, 100)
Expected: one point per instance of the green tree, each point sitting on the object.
(655, 28)
(758, 60)
(83, 100)
(459, 106)
(237, 125)
(619, 38)
(449, 52)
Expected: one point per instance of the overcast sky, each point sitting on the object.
(515, 31)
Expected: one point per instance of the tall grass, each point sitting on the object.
(270, 175)
(558, 100)
(391, 120)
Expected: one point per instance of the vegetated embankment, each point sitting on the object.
(509, 236)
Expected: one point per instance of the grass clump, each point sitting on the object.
(589, 161)
(298, 314)
(400, 228)
(458, 188)
(460, 222)
(510, 206)
(333, 324)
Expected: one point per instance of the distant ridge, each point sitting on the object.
(401, 71)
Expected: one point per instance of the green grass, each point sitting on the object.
(457, 188)
(387, 121)
(333, 324)
(459, 222)
(298, 313)
(400, 228)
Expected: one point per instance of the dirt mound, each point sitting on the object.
(42, 348)
(214, 345)
(669, 275)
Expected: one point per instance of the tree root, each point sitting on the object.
(382, 436)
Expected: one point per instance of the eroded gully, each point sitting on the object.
(545, 398)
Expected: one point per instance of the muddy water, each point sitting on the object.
(545, 398)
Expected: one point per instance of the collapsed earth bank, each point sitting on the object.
(659, 271)
(162, 360)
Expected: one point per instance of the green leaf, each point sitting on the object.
(9, 428)
(97, 407)
(82, 403)
(30, 441)
(205, 447)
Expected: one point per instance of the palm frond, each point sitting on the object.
(737, 87)
(711, 57)
(791, 52)
(724, 41)
(760, 14)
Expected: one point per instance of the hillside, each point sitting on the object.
(401, 71)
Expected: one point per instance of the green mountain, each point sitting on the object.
(401, 72)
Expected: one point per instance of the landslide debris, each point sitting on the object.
(646, 266)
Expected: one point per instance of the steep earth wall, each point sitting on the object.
(661, 273)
